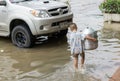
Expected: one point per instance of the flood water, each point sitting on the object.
(50, 60)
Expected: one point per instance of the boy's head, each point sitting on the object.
(73, 26)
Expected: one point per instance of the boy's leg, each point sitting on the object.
(75, 61)
(82, 58)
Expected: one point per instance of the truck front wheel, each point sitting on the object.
(22, 37)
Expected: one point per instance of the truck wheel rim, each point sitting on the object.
(20, 39)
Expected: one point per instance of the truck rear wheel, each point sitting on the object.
(22, 37)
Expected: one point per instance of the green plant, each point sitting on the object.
(110, 6)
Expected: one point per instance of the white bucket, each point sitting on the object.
(89, 44)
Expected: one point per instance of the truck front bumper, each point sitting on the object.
(52, 24)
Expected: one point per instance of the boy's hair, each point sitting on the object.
(73, 26)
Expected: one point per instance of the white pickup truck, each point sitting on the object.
(24, 20)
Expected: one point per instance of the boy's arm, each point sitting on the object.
(68, 37)
(90, 38)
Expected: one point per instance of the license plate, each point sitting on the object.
(63, 24)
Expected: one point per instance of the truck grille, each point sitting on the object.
(58, 11)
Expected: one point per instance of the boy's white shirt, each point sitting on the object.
(74, 40)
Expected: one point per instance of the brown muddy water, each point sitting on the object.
(17, 63)
(49, 59)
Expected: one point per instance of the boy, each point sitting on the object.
(76, 42)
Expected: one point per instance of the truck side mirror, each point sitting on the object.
(2, 3)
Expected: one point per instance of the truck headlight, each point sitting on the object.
(39, 13)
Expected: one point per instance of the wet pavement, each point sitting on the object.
(50, 60)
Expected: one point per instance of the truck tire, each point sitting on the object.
(22, 37)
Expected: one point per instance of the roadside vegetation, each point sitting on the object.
(110, 6)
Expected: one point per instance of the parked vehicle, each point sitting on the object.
(24, 20)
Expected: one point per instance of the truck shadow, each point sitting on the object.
(50, 41)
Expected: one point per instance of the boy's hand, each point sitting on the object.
(90, 38)
(93, 39)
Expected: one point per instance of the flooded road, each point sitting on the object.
(45, 58)
(50, 61)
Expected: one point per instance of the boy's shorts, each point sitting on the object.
(78, 54)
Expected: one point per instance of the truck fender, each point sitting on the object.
(26, 19)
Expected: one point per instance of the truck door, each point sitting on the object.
(3, 15)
